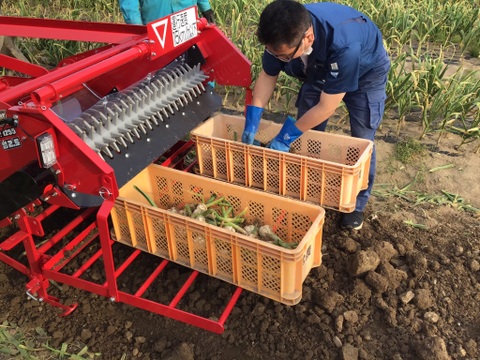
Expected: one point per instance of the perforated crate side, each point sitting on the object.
(266, 269)
(212, 159)
(327, 169)
(127, 217)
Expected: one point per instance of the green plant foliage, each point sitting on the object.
(422, 37)
(406, 151)
(15, 343)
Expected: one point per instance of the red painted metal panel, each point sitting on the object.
(69, 30)
(22, 66)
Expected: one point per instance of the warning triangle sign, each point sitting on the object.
(160, 29)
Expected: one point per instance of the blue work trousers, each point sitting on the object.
(365, 107)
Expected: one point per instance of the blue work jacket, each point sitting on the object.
(347, 45)
(144, 11)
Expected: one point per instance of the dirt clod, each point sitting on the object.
(423, 299)
(432, 348)
(362, 262)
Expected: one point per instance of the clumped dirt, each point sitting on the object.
(388, 291)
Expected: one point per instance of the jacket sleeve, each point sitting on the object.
(131, 11)
(203, 5)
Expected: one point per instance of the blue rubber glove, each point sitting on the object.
(287, 135)
(252, 120)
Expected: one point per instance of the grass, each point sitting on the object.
(408, 150)
(416, 198)
(422, 38)
(16, 343)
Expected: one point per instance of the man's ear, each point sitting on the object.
(310, 36)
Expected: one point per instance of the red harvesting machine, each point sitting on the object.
(72, 136)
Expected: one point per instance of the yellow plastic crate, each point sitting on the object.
(325, 169)
(266, 269)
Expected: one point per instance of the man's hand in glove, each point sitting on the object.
(252, 120)
(209, 15)
(287, 135)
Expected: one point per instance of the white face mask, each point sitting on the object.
(308, 51)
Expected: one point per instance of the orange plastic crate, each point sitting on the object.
(269, 270)
(325, 169)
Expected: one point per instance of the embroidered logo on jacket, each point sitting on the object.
(334, 68)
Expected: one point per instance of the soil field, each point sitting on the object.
(406, 286)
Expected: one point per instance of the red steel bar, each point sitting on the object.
(77, 283)
(72, 249)
(12, 262)
(173, 156)
(62, 233)
(26, 88)
(53, 91)
(106, 244)
(47, 212)
(87, 264)
(12, 241)
(151, 278)
(68, 29)
(22, 66)
(127, 263)
(184, 288)
(172, 313)
(230, 305)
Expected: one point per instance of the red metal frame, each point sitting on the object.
(42, 267)
(131, 54)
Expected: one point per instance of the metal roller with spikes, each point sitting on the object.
(128, 129)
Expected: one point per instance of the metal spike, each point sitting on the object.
(119, 109)
(122, 142)
(136, 133)
(143, 128)
(130, 100)
(115, 147)
(96, 122)
(153, 118)
(102, 115)
(78, 130)
(149, 89)
(155, 87)
(129, 137)
(107, 151)
(173, 102)
(193, 92)
(137, 96)
(88, 126)
(124, 104)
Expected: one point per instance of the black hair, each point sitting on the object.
(283, 22)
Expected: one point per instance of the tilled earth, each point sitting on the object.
(389, 291)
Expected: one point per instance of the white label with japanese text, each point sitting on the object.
(184, 26)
